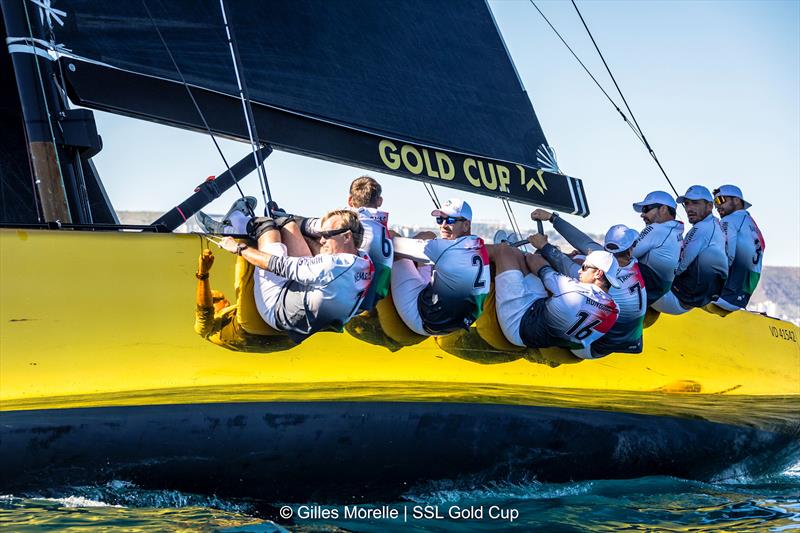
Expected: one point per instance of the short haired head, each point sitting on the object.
(601, 266)
(349, 220)
(454, 218)
(698, 203)
(365, 192)
(657, 206)
(729, 198)
(620, 240)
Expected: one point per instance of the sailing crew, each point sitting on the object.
(447, 290)
(658, 246)
(631, 296)
(578, 312)
(298, 293)
(744, 246)
(365, 199)
(226, 325)
(703, 265)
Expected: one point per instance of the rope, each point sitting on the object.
(613, 103)
(511, 218)
(432, 193)
(196, 105)
(608, 69)
(246, 106)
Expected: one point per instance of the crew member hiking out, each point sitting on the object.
(744, 246)
(703, 265)
(575, 315)
(446, 292)
(301, 294)
(365, 199)
(658, 246)
(631, 296)
(238, 326)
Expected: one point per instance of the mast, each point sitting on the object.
(58, 137)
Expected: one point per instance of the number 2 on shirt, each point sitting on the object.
(479, 283)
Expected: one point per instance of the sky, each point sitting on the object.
(715, 86)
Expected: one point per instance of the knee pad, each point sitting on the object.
(258, 226)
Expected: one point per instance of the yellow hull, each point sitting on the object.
(103, 377)
(93, 315)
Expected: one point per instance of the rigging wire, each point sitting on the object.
(608, 69)
(432, 193)
(246, 105)
(585, 68)
(512, 219)
(196, 105)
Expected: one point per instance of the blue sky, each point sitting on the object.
(715, 86)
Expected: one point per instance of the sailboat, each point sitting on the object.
(103, 378)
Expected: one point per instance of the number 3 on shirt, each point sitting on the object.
(584, 331)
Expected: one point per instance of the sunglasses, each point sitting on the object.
(646, 208)
(719, 200)
(448, 220)
(333, 232)
(585, 267)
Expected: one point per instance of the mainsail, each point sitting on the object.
(425, 90)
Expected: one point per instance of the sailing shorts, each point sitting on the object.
(408, 281)
(515, 293)
(669, 304)
(268, 287)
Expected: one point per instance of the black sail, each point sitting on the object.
(425, 90)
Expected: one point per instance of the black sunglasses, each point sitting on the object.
(646, 208)
(333, 232)
(719, 200)
(585, 267)
(449, 220)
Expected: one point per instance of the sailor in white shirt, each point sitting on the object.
(703, 265)
(446, 292)
(744, 245)
(658, 247)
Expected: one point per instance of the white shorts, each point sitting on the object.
(267, 287)
(408, 281)
(514, 295)
(669, 304)
(726, 305)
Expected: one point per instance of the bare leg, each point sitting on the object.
(506, 257)
(268, 237)
(294, 240)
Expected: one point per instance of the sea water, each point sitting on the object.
(645, 504)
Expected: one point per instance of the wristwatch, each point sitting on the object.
(200, 276)
(241, 247)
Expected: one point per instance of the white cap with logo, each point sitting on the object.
(619, 238)
(607, 263)
(696, 192)
(454, 207)
(655, 198)
(732, 190)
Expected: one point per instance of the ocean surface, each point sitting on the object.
(645, 504)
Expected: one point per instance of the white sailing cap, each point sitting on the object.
(696, 192)
(454, 207)
(619, 238)
(732, 190)
(607, 263)
(655, 197)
